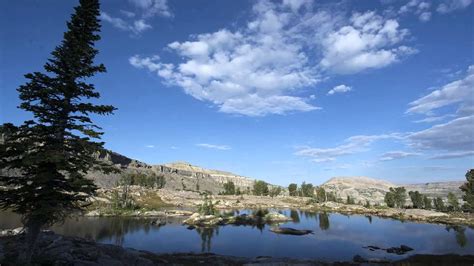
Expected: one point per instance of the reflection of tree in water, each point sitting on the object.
(323, 221)
(206, 236)
(117, 228)
(369, 218)
(259, 214)
(295, 216)
(460, 232)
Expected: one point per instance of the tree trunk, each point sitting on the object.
(33, 229)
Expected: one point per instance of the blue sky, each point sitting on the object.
(284, 91)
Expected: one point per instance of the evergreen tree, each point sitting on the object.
(416, 199)
(439, 204)
(293, 189)
(396, 197)
(275, 191)
(390, 199)
(55, 149)
(468, 189)
(400, 196)
(453, 202)
(307, 190)
(229, 188)
(321, 194)
(260, 188)
(427, 203)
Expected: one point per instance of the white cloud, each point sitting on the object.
(425, 16)
(339, 89)
(457, 92)
(266, 66)
(136, 27)
(453, 136)
(394, 155)
(152, 8)
(452, 5)
(453, 155)
(351, 145)
(150, 146)
(213, 146)
(369, 41)
(418, 7)
(431, 119)
(136, 24)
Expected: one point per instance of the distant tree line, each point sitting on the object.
(139, 179)
(396, 197)
(318, 194)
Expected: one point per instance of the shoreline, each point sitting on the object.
(185, 203)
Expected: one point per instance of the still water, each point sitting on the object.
(336, 237)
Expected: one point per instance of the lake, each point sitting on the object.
(336, 237)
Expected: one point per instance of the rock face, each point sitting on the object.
(437, 189)
(359, 188)
(178, 175)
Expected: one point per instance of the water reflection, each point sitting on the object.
(460, 234)
(323, 221)
(295, 216)
(206, 237)
(338, 238)
(369, 218)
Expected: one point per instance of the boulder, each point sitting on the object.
(154, 213)
(203, 220)
(275, 217)
(92, 213)
(11, 232)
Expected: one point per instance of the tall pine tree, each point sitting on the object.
(468, 189)
(44, 161)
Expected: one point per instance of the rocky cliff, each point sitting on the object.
(178, 175)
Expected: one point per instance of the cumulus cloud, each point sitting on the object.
(448, 6)
(394, 155)
(339, 89)
(457, 92)
(351, 145)
(138, 24)
(213, 146)
(266, 66)
(369, 41)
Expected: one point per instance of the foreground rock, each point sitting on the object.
(11, 232)
(397, 250)
(212, 220)
(55, 249)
